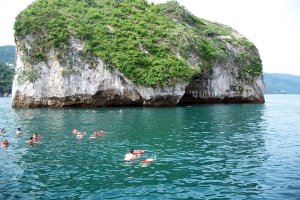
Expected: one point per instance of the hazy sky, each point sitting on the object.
(272, 25)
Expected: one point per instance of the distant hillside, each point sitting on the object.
(7, 54)
(6, 78)
(282, 83)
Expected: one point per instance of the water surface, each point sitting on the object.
(230, 151)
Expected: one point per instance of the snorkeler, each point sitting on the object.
(96, 133)
(19, 131)
(31, 141)
(36, 136)
(79, 134)
(5, 143)
(130, 156)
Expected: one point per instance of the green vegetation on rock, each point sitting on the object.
(27, 73)
(150, 44)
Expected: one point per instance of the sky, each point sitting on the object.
(272, 25)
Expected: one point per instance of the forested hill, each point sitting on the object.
(6, 76)
(281, 83)
(7, 54)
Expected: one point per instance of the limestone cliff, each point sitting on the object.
(168, 57)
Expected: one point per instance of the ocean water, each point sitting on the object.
(219, 151)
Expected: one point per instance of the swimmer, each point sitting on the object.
(3, 130)
(5, 143)
(79, 134)
(94, 135)
(19, 131)
(138, 152)
(36, 136)
(98, 133)
(130, 156)
(31, 141)
(76, 132)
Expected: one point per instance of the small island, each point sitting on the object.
(129, 53)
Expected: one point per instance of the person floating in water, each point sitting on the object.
(32, 141)
(5, 143)
(19, 131)
(138, 152)
(130, 156)
(3, 130)
(78, 134)
(96, 133)
(36, 136)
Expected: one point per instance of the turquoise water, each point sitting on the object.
(204, 152)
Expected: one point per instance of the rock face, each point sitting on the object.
(221, 84)
(84, 85)
(92, 86)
